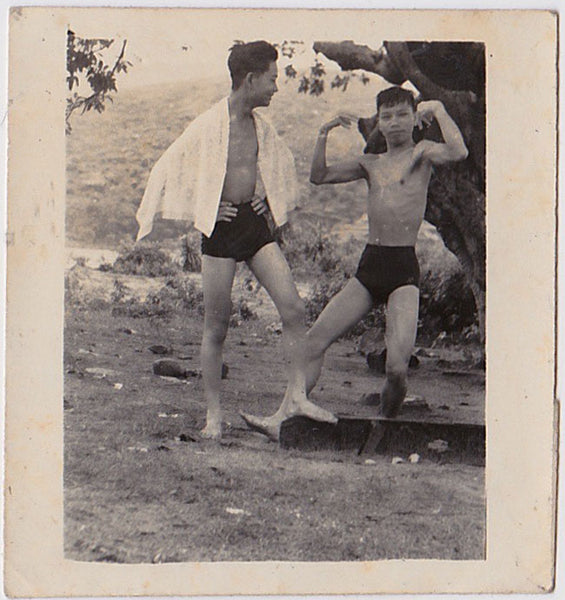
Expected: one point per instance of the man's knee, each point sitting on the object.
(216, 328)
(293, 313)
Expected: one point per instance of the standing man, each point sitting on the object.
(388, 271)
(226, 172)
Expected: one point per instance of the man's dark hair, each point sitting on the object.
(395, 95)
(254, 57)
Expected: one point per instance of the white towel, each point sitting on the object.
(186, 182)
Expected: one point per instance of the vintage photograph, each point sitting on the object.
(274, 298)
(280, 302)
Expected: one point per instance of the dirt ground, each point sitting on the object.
(140, 486)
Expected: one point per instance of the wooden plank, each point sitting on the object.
(402, 437)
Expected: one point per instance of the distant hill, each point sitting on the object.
(109, 155)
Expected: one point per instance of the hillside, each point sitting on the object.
(109, 155)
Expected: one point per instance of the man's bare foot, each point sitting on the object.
(305, 408)
(211, 433)
(271, 426)
(213, 429)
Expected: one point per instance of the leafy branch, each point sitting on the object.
(85, 58)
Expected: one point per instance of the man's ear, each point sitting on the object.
(249, 78)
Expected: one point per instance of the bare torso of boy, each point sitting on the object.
(241, 171)
(396, 200)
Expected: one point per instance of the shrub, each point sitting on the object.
(447, 305)
(306, 245)
(177, 294)
(145, 259)
(190, 252)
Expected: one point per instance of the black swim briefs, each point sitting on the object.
(241, 238)
(383, 269)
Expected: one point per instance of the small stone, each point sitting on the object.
(439, 446)
(414, 458)
(118, 386)
(396, 460)
(169, 368)
(370, 461)
(159, 349)
(99, 372)
(236, 511)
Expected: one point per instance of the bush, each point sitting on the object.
(179, 293)
(307, 246)
(447, 305)
(190, 252)
(145, 259)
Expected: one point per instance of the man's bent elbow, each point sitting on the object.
(316, 178)
(461, 154)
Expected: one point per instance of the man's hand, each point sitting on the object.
(227, 212)
(259, 204)
(427, 111)
(342, 120)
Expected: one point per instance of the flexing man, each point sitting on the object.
(226, 172)
(388, 271)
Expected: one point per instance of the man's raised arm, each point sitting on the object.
(454, 148)
(341, 173)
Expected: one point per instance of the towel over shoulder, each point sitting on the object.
(186, 182)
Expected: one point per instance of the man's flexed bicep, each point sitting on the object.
(341, 172)
(454, 148)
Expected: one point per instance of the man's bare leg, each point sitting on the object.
(217, 280)
(401, 327)
(343, 311)
(272, 271)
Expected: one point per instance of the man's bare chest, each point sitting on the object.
(243, 147)
(398, 175)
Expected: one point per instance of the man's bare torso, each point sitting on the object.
(396, 200)
(241, 171)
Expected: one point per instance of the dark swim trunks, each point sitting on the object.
(241, 238)
(383, 269)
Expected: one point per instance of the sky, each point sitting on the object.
(198, 47)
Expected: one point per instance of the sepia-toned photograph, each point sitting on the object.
(277, 327)
(274, 299)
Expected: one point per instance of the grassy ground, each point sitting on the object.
(140, 486)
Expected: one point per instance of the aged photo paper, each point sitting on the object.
(49, 548)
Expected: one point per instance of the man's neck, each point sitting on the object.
(240, 106)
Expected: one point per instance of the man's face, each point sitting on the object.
(264, 85)
(397, 122)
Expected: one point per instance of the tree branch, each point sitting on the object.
(350, 56)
